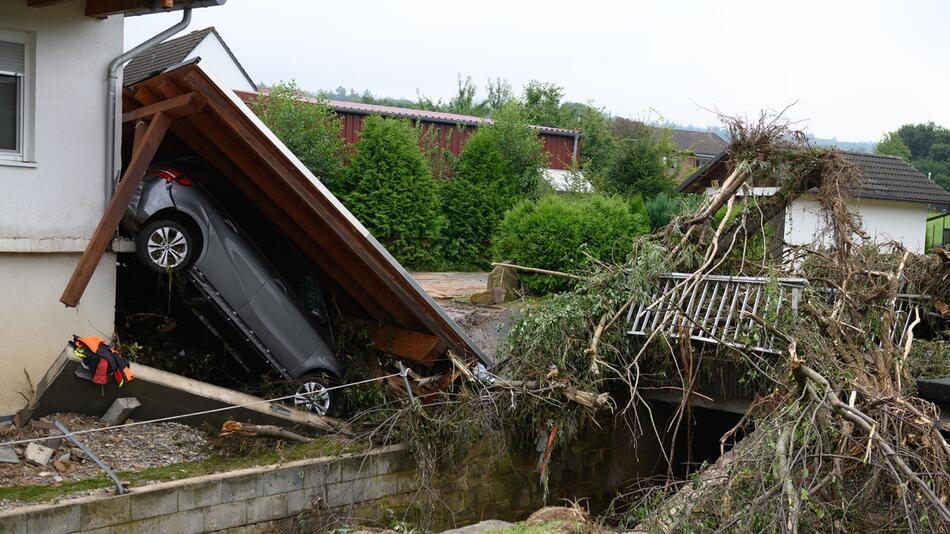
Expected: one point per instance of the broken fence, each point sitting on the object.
(719, 309)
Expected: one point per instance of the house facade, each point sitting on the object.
(53, 63)
(54, 59)
(892, 198)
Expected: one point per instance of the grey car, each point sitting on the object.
(179, 229)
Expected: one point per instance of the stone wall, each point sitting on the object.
(372, 488)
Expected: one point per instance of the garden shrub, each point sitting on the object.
(389, 189)
(474, 202)
(661, 209)
(566, 233)
(311, 130)
(521, 148)
(640, 164)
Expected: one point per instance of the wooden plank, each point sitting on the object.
(417, 347)
(178, 106)
(104, 8)
(43, 3)
(140, 128)
(141, 158)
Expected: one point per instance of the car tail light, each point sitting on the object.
(173, 176)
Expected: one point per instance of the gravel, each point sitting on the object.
(122, 449)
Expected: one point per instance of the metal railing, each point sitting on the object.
(715, 309)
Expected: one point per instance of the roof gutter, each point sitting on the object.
(112, 81)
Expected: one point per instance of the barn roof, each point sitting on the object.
(227, 135)
(882, 177)
(359, 108)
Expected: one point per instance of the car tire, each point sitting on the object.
(165, 246)
(310, 393)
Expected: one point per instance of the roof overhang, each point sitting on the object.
(105, 8)
(227, 134)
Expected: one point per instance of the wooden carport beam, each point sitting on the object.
(416, 347)
(178, 106)
(142, 154)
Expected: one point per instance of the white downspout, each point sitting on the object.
(112, 81)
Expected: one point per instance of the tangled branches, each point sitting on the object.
(835, 441)
(838, 442)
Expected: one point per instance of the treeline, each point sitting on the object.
(433, 210)
(925, 145)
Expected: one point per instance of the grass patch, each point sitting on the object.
(235, 458)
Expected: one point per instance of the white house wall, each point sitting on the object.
(215, 58)
(884, 220)
(49, 207)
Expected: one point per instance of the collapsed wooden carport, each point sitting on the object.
(213, 123)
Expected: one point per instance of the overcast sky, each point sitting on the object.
(857, 69)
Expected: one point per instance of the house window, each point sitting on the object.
(15, 85)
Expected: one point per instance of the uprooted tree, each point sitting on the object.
(836, 440)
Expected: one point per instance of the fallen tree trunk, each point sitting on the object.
(269, 431)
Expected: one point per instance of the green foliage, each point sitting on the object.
(542, 104)
(474, 201)
(599, 143)
(920, 137)
(893, 145)
(640, 165)
(926, 146)
(939, 171)
(661, 209)
(566, 233)
(521, 149)
(389, 189)
(463, 103)
(311, 130)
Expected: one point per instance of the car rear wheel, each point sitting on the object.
(165, 246)
(312, 394)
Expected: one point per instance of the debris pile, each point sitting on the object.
(837, 431)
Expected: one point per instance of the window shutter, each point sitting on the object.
(12, 57)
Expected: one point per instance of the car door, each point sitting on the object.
(230, 263)
(282, 326)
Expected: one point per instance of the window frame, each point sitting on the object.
(25, 115)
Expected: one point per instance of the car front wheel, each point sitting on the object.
(312, 394)
(165, 246)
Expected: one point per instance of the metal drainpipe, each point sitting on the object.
(577, 137)
(112, 80)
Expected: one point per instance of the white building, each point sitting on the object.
(206, 45)
(54, 59)
(892, 198)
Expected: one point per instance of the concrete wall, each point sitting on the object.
(366, 488)
(36, 326)
(51, 204)
(884, 220)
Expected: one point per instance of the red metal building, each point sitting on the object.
(561, 145)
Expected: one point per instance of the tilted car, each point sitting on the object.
(179, 229)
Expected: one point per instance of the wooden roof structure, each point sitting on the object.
(213, 123)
